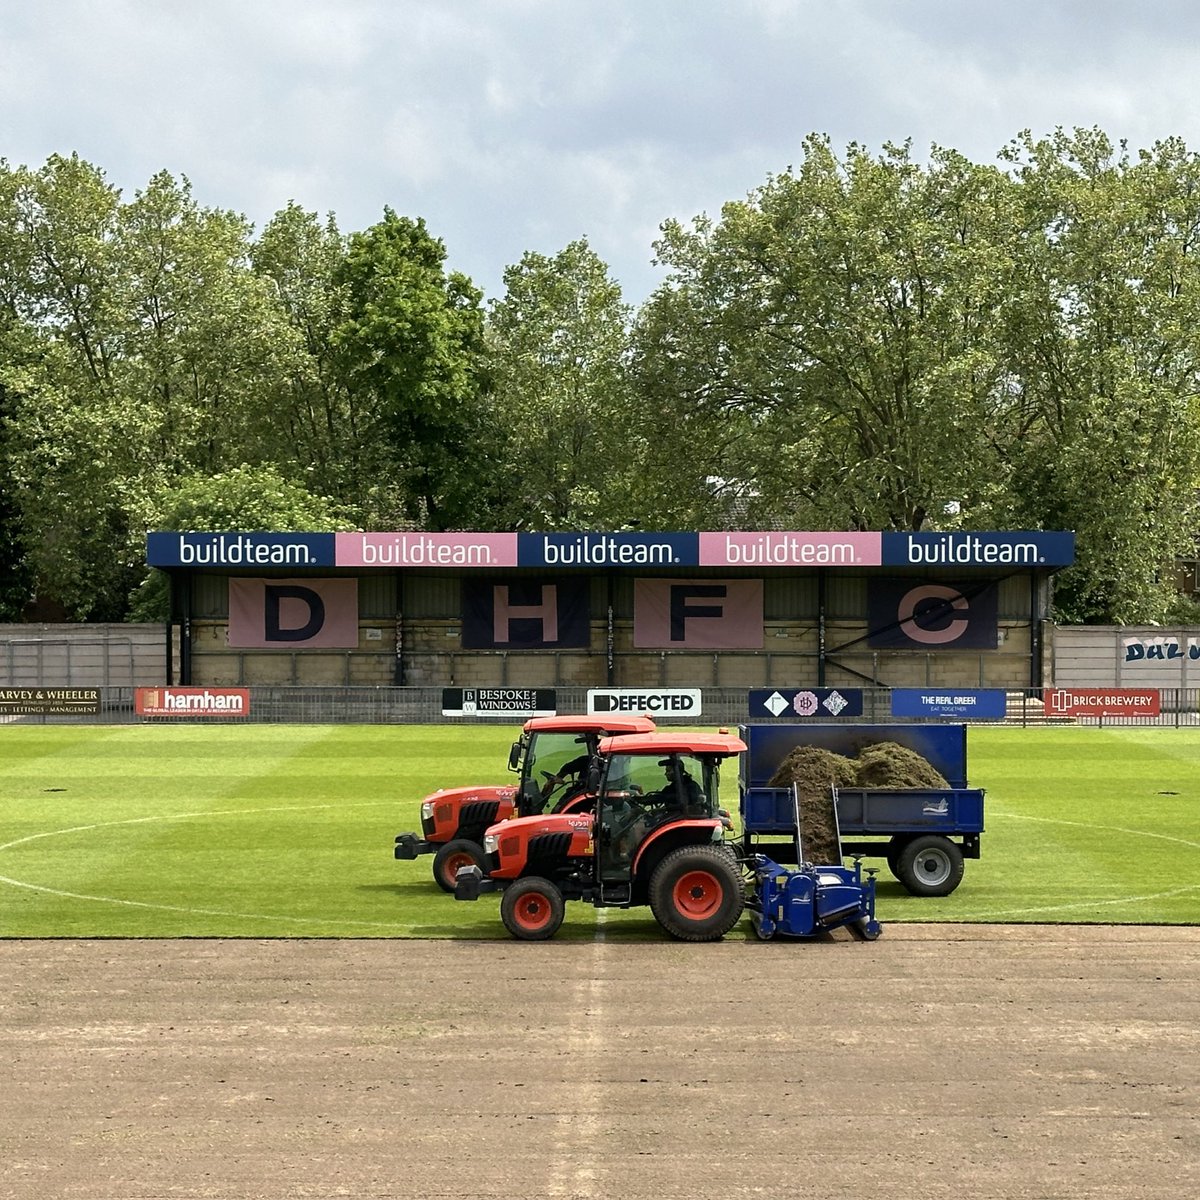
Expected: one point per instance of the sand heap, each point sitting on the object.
(814, 771)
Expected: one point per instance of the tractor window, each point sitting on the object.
(642, 792)
(557, 763)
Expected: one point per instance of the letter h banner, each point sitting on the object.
(525, 614)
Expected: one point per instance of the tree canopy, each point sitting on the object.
(866, 340)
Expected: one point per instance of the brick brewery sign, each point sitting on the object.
(49, 701)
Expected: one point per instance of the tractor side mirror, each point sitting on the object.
(514, 756)
(593, 778)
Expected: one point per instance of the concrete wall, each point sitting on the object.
(1132, 656)
(43, 655)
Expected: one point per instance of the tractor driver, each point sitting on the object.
(572, 774)
(688, 795)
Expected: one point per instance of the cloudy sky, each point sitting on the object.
(514, 125)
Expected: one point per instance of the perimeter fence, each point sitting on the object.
(1178, 707)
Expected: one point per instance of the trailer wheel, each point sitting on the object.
(461, 852)
(930, 866)
(532, 909)
(894, 849)
(696, 893)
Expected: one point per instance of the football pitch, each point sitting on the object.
(287, 831)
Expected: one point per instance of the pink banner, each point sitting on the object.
(289, 614)
(791, 549)
(425, 549)
(698, 614)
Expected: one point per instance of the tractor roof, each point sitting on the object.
(673, 743)
(590, 724)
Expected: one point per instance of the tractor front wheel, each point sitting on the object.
(696, 893)
(532, 909)
(461, 852)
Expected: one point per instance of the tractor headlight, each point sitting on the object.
(490, 843)
(426, 810)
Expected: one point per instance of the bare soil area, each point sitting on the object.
(940, 1061)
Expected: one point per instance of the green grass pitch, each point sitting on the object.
(287, 831)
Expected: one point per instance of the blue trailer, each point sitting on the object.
(924, 834)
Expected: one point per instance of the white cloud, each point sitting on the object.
(523, 124)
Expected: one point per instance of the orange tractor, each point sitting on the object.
(550, 758)
(652, 833)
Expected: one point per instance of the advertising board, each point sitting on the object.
(1102, 702)
(191, 702)
(982, 704)
(818, 703)
(51, 701)
(501, 702)
(654, 702)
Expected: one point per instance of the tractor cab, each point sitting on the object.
(647, 794)
(553, 756)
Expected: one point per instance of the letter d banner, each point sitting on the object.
(293, 614)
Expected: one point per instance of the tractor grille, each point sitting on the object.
(478, 813)
(549, 847)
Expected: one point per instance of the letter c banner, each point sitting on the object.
(914, 614)
(923, 613)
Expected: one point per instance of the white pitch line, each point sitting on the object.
(200, 912)
(1053, 908)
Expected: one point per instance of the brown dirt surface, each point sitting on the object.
(945, 1061)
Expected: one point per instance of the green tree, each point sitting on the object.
(559, 347)
(409, 350)
(1106, 366)
(242, 498)
(158, 352)
(321, 422)
(828, 348)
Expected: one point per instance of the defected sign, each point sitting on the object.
(654, 702)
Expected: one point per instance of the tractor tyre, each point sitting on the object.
(461, 852)
(532, 909)
(930, 865)
(895, 848)
(696, 893)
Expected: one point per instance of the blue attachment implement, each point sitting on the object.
(808, 900)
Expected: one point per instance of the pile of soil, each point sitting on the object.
(888, 765)
(814, 771)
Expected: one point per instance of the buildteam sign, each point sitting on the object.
(610, 550)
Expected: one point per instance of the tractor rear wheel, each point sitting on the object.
(461, 852)
(532, 909)
(930, 865)
(696, 893)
